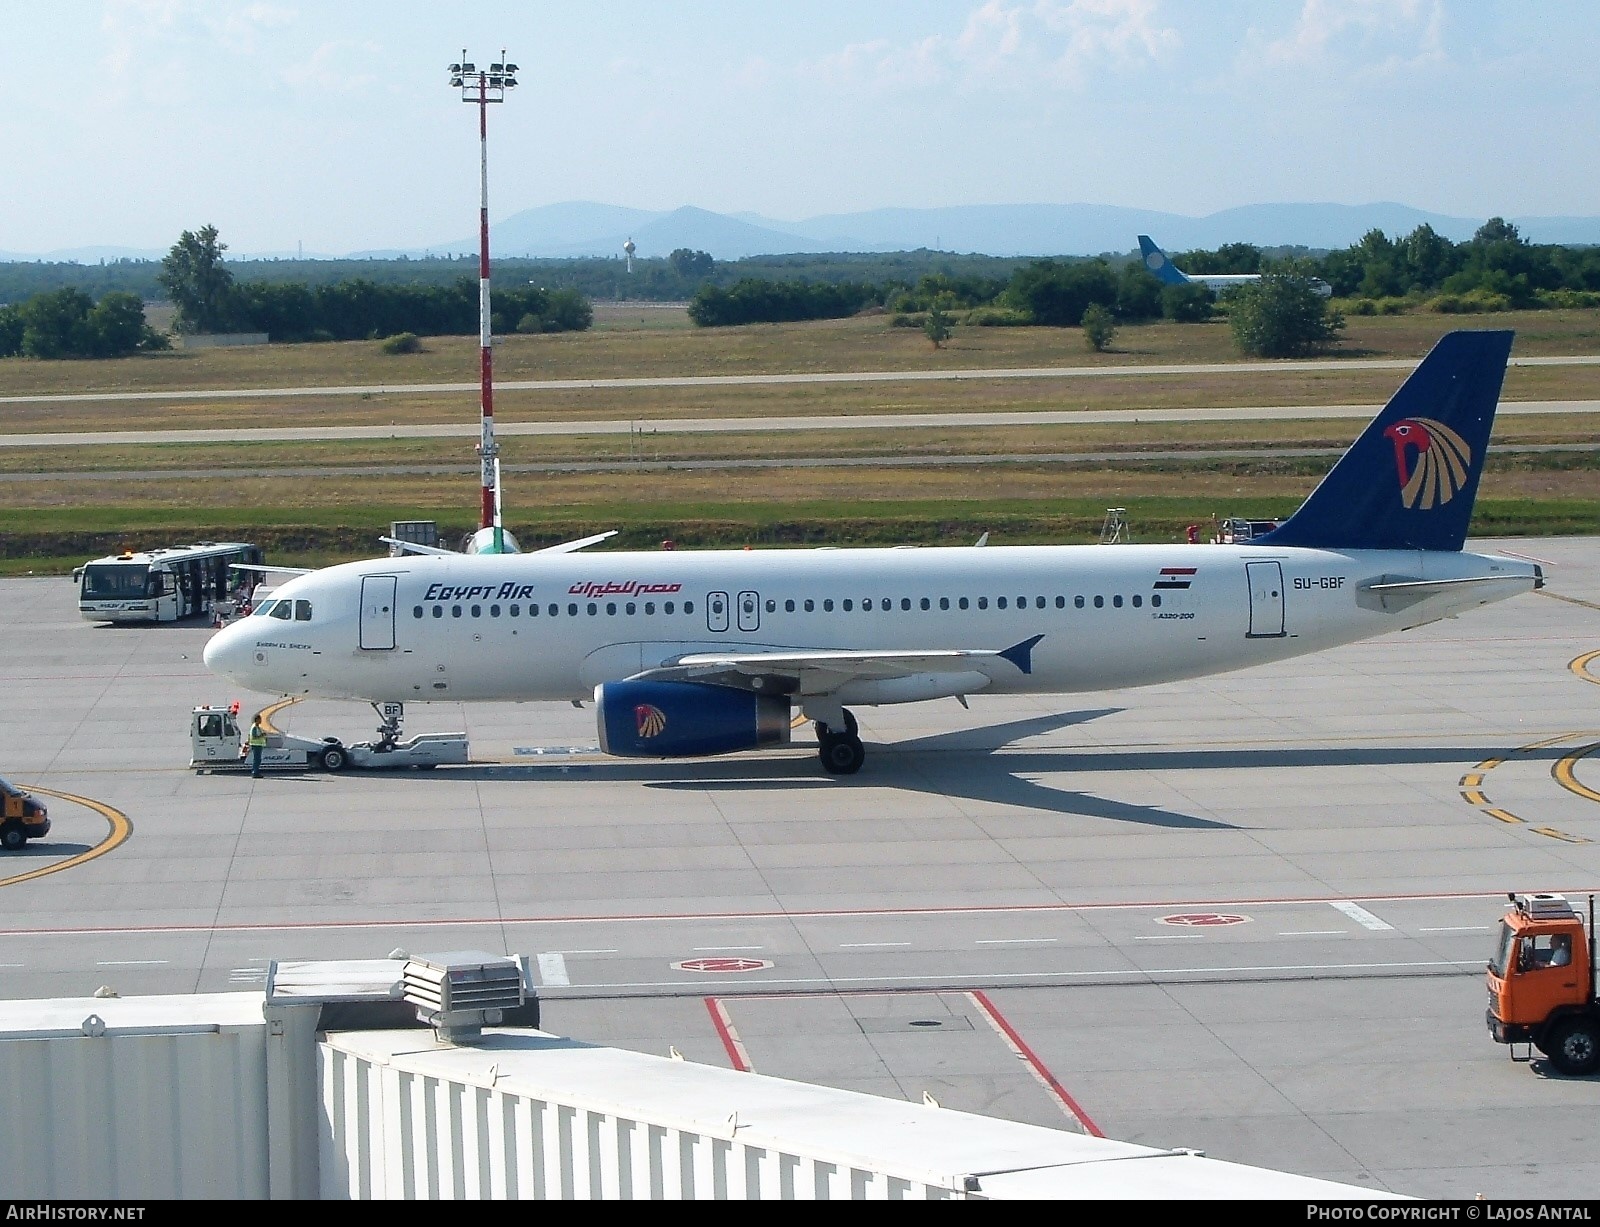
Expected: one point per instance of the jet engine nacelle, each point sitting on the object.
(687, 719)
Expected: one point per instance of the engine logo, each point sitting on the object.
(650, 720)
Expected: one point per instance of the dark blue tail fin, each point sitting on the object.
(1409, 481)
(1156, 261)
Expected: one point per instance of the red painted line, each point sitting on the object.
(815, 914)
(1020, 1046)
(731, 1044)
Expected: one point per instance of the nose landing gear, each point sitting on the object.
(840, 750)
(390, 717)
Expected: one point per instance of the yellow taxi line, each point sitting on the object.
(121, 828)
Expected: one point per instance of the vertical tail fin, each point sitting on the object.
(1156, 261)
(1409, 481)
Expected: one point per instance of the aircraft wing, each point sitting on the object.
(786, 668)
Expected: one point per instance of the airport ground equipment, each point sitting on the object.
(166, 585)
(217, 742)
(1542, 982)
(21, 817)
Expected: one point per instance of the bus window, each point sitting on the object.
(302, 611)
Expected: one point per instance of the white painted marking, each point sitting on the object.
(1313, 933)
(1359, 914)
(713, 949)
(868, 945)
(133, 963)
(583, 952)
(1168, 937)
(1457, 929)
(12, 966)
(552, 969)
(1011, 941)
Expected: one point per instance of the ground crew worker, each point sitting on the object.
(257, 742)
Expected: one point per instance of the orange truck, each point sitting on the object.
(22, 817)
(1542, 982)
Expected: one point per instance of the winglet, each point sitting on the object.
(1021, 654)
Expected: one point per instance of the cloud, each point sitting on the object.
(1054, 44)
(333, 68)
(1366, 38)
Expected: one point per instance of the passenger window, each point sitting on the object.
(1156, 600)
(944, 602)
(649, 607)
(1061, 602)
(494, 611)
(1117, 601)
(282, 610)
(924, 602)
(788, 607)
(811, 606)
(999, 603)
(593, 609)
(688, 607)
(611, 609)
(1038, 602)
(962, 603)
(632, 609)
(983, 602)
(438, 611)
(827, 605)
(667, 607)
(1099, 602)
(772, 606)
(905, 603)
(455, 611)
(1077, 602)
(477, 611)
(1138, 601)
(572, 609)
(847, 606)
(517, 609)
(416, 611)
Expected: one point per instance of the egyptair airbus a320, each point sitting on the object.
(690, 653)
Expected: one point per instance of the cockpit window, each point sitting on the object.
(302, 611)
(264, 608)
(282, 610)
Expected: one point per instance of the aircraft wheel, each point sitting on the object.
(842, 755)
(333, 759)
(1575, 1046)
(13, 837)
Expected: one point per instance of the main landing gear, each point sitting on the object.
(841, 751)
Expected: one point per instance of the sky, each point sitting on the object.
(333, 127)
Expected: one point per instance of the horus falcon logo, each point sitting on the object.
(650, 720)
(1439, 461)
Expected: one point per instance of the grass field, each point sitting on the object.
(65, 502)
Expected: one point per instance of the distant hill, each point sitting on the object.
(585, 228)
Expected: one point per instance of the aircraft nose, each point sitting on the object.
(227, 653)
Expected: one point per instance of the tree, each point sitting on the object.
(1190, 303)
(116, 326)
(199, 284)
(1282, 316)
(691, 265)
(10, 332)
(1098, 327)
(54, 324)
(937, 325)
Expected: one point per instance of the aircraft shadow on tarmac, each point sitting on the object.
(967, 763)
(54, 850)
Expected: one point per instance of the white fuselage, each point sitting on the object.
(554, 626)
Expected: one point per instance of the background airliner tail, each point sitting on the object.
(1410, 480)
(1156, 261)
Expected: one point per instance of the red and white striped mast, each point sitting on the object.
(484, 86)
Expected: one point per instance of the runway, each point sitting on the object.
(1247, 914)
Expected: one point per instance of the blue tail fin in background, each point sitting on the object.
(1156, 261)
(1409, 481)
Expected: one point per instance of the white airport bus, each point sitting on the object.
(165, 585)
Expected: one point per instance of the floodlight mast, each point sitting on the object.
(484, 86)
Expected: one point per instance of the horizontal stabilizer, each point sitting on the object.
(411, 547)
(265, 570)
(568, 547)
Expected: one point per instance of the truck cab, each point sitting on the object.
(22, 817)
(1541, 982)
